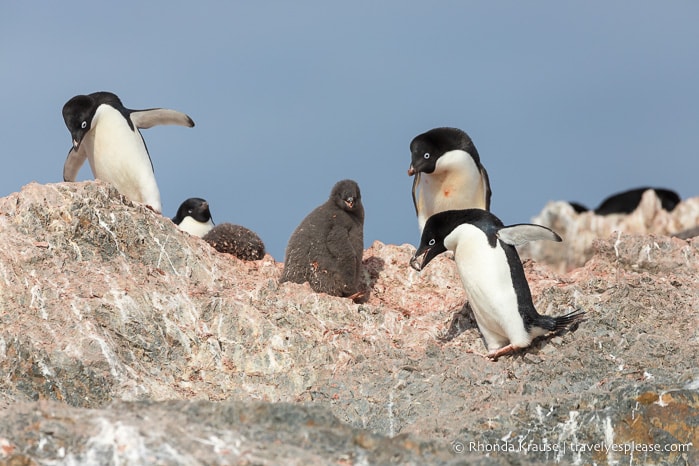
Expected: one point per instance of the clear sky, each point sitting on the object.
(564, 100)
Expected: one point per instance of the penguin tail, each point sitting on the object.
(570, 320)
(556, 324)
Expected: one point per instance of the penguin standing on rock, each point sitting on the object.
(194, 217)
(492, 275)
(448, 174)
(326, 249)
(107, 134)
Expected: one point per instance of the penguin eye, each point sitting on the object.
(427, 155)
(83, 125)
(431, 242)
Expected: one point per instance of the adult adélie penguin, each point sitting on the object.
(492, 275)
(107, 134)
(448, 173)
(194, 217)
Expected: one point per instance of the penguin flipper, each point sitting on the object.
(485, 181)
(517, 235)
(148, 118)
(416, 181)
(73, 162)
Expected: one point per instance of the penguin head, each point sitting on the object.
(436, 229)
(79, 111)
(77, 114)
(194, 207)
(428, 148)
(346, 195)
(441, 225)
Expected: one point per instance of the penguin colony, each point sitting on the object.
(451, 195)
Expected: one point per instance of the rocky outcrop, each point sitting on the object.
(125, 341)
(580, 230)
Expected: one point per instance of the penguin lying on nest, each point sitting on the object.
(194, 217)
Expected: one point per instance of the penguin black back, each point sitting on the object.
(627, 201)
(326, 248)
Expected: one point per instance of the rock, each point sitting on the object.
(580, 230)
(126, 341)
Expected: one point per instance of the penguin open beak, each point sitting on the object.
(76, 144)
(411, 171)
(415, 262)
(349, 202)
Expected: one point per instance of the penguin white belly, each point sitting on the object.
(456, 183)
(485, 275)
(118, 155)
(194, 227)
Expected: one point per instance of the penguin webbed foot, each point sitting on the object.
(150, 207)
(359, 297)
(505, 350)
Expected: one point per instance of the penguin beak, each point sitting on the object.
(414, 261)
(349, 202)
(77, 138)
(411, 171)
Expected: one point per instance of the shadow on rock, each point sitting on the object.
(461, 320)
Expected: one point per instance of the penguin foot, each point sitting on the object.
(150, 207)
(357, 297)
(509, 349)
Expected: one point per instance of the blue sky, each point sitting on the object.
(564, 100)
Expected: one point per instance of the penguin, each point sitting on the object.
(194, 217)
(627, 201)
(492, 275)
(448, 173)
(107, 134)
(326, 248)
(237, 241)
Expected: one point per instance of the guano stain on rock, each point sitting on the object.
(125, 340)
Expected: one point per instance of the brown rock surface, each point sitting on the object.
(126, 341)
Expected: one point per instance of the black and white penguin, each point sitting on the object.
(627, 201)
(492, 275)
(326, 249)
(194, 217)
(107, 134)
(448, 173)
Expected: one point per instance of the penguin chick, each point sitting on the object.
(107, 134)
(492, 275)
(237, 241)
(326, 248)
(448, 174)
(194, 217)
